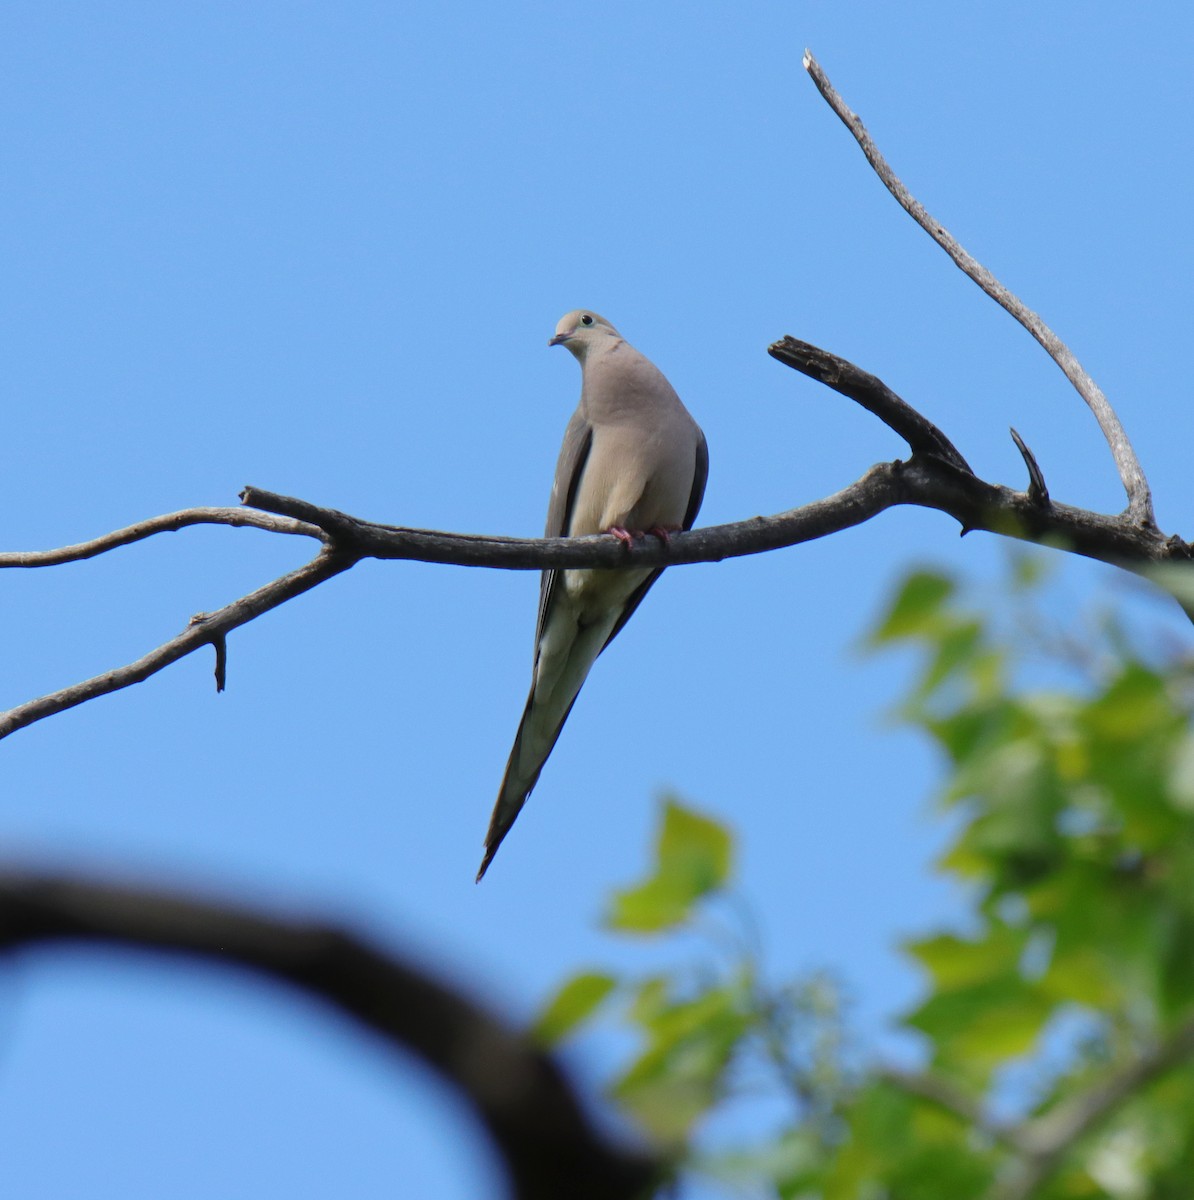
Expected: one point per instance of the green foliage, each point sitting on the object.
(1074, 816)
(573, 1004)
(692, 860)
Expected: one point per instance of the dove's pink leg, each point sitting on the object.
(629, 536)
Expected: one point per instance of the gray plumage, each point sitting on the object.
(633, 461)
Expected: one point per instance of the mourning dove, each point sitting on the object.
(633, 462)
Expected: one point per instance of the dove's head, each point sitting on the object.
(581, 330)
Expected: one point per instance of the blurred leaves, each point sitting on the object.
(705, 1032)
(692, 859)
(1057, 1022)
(690, 1037)
(575, 1002)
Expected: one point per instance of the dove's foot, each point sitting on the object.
(629, 536)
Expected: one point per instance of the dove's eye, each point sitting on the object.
(586, 320)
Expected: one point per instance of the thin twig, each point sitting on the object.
(1140, 505)
(206, 632)
(549, 1147)
(168, 523)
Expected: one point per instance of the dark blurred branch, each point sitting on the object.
(1140, 505)
(548, 1146)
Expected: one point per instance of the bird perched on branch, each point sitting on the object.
(633, 463)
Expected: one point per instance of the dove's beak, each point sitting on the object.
(559, 339)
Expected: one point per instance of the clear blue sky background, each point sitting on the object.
(320, 249)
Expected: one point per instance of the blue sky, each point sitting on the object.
(320, 249)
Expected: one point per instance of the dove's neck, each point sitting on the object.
(617, 382)
(589, 352)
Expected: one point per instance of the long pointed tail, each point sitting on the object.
(522, 773)
(566, 651)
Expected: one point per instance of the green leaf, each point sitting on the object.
(975, 1028)
(573, 1004)
(650, 999)
(955, 962)
(915, 608)
(692, 858)
(1080, 976)
(957, 650)
(694, 847)
(965, 733)
(1135, 705)
(1029, 568)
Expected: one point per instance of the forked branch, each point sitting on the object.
(935, 476)
(1140, 504)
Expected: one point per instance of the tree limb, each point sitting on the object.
(204, 629)
(867, 390)
(548, 1146)
(1045, 1140)
(168, 523)
(1140, 504)
(935, 476)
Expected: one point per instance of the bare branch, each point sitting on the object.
(928, 481)
(1046, 1139)
(549, 1147)
(936, 476)
(169, 523)
(208, 629)
(851, 506)
(1140, 505)
(922, 436)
